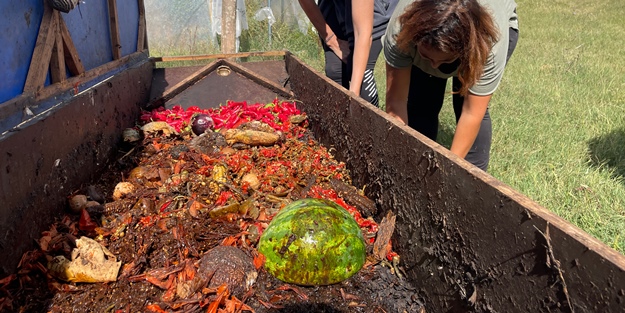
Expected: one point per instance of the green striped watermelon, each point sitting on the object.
(313, 242)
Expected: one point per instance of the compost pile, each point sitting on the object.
(174, 224)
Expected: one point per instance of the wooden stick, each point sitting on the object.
(57, 63)
(555, 265)
(72, 59)
(142, 29)
(87, 76)
(228, 25)
(219, 56)
(114, 26)
(38, 70)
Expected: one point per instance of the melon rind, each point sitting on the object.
(313, 242)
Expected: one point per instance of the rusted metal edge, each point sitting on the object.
(204, 71)
(277, 53)
(259, 79)
(75, 81)
(182, 85)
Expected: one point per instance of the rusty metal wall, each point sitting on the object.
(467, 241)
(253, 82)
(69, 146)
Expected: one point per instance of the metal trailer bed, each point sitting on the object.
(468, 241)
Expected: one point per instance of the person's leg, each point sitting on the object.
(369, 89)
(335, 69)
(479, 155)
(425, 100)
(513, 39)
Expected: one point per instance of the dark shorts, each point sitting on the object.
(341, 72)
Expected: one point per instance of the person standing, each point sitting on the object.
(350, 32)
(429, 41)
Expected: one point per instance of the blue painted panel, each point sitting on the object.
(19, 26)
(88, 25)
(128, 19)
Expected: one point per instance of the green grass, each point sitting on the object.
(562, 110)
(558, 115)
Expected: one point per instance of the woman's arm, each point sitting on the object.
(473, 110)
(339, 47)
(362, 17)
(397, 88)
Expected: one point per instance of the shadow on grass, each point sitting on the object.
(608, 151)
(445, 134)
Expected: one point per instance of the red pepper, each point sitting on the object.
(155, 308)
(233, 114)
(223, 197)
(85, 223)
(164, 206)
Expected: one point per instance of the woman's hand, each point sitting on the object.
(339, 47)
(397, 88)
(473, 110)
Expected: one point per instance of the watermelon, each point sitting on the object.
(313, 242)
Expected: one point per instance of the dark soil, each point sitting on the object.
(162, 230)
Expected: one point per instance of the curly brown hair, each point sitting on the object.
(461, 27)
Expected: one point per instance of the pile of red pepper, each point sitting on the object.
(276, 114)
(231, 115)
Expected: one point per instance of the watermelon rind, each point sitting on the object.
(313, 242)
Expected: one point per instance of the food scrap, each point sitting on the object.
(184, 216)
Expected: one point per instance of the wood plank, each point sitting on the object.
(57, 62)
(74, 82)
(279, 53)
(146, 44)
(38, 70)
(142, 29)
(114, 26)
(72, 59)
(228, 26)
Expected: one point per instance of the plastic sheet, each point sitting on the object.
(192, 26)
(291, 13)
(216, 19)
(265, 14)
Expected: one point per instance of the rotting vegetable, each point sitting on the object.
(189, 195)
(201, 123)
(313, 242)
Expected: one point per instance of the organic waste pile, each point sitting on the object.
(174, 225)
